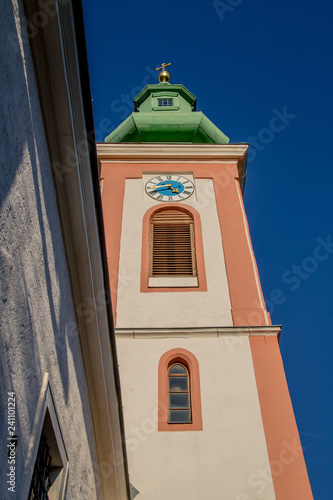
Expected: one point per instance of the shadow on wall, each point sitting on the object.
(37, 318)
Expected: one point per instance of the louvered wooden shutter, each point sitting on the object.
(172, 244)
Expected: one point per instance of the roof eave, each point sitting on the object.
(192, 127)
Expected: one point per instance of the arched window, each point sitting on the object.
(172, 248)
(179, 394)
(179, 400)
(172, 256)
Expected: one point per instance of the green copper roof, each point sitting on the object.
(166, 113)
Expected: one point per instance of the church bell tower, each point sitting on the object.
(206, 405)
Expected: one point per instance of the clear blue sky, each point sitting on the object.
(246, 62)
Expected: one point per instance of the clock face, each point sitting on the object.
(169, 187)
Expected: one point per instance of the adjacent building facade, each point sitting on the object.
(61, 422)
(206, 405)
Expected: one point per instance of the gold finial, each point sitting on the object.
(164, 76)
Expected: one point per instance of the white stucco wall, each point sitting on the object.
(224, 460)
(193, 309)
(37, 319)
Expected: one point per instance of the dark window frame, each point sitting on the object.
(186, 376)
(165, 102)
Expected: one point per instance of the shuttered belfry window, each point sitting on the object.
(172, 244)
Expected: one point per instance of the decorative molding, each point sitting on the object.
(166, 153)
(219, 331)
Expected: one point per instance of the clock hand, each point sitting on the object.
(174, 190)
(160, 186)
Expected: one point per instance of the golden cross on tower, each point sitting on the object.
(164, 76)
(163, 66)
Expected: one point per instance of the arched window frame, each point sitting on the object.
(186, 358)
(196, 283)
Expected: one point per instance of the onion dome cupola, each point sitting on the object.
(167, 113)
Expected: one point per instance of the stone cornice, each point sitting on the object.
(220, 331)
(185, 153)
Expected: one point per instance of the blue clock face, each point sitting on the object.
(169, 187)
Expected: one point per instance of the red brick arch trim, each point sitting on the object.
(179, 355)
(199, 252)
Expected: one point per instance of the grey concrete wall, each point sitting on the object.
(37, 318)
